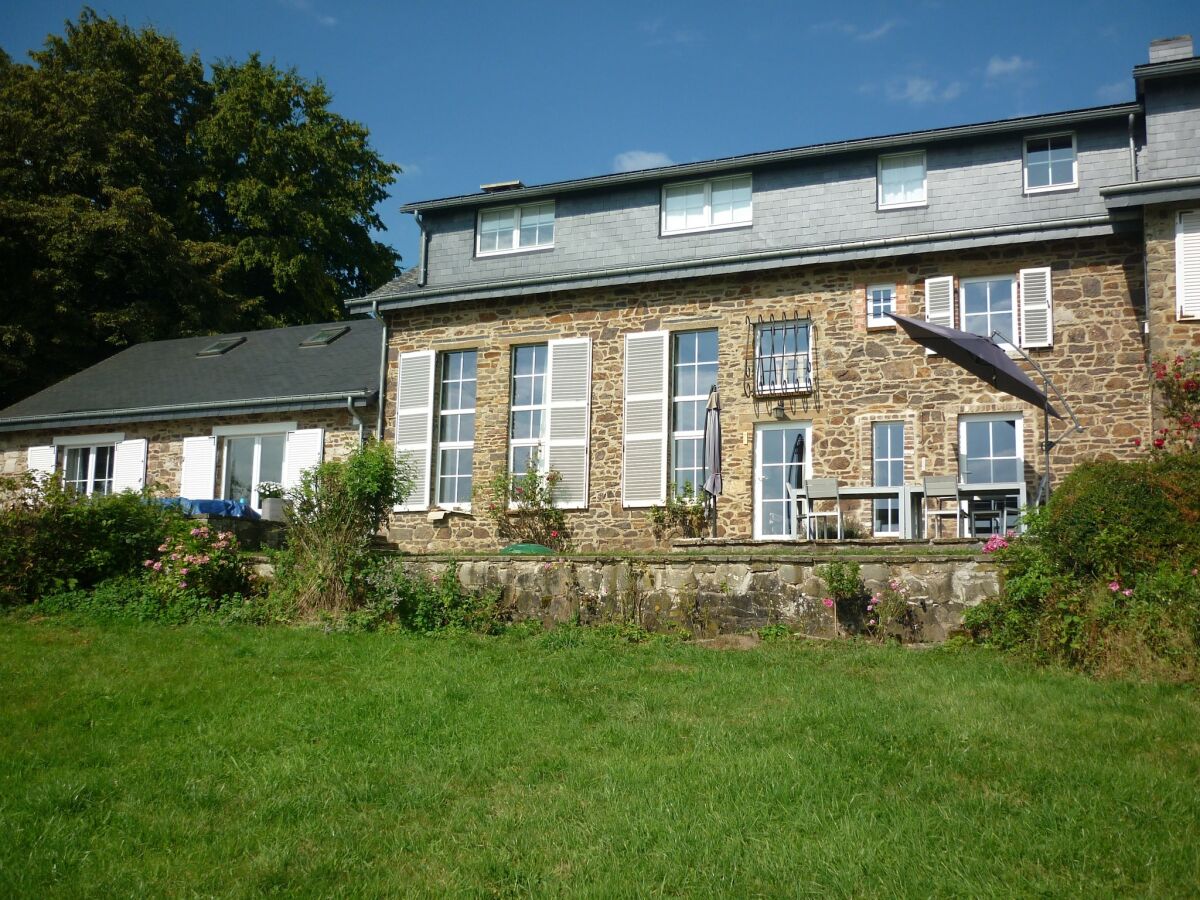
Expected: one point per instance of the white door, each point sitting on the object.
(782, 459)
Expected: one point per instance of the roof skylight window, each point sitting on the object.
(325, 336)
(224, 345)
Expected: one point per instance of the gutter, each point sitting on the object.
(412, 298)
(355, 417)
(681, 170)
(1158, 184)
(25, 423)
(383, 354)
(1132, 151)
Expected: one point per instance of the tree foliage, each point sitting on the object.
(140, 200)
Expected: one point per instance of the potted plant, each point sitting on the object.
(270, 495)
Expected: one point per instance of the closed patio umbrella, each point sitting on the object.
(712, 452)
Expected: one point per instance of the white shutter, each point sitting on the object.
(644, 467)
(414, 422)
(1187, 265)
(199, 475)
(40, 460)
(129, 465)
(569, 381)
(1037, 311)
(939, 302)
(303, 449)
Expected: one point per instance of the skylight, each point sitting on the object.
(325, 336)
(224, 345)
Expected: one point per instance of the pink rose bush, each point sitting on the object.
(886, 609)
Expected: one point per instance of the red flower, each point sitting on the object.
(1190, 385)
(1159, 443)
(1137, 442)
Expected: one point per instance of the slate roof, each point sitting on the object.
(401, 284)
(166, 379)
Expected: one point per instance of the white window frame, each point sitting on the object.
(807, 471)
(689, 434)
(886, 320)
(517, 212)
(787, 388)
(965, 418)
(1050, 188)
(236, 432)
(90, 477)
(908, 204)
(707, 185)
(1010, 345)
(538, 442)
(876, 458)
(453, 445)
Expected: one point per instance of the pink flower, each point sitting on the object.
(183, 584)
(872, 622)
(157, 567)
(148, 562)
(183, 571)
(1114, 585)
(1128, 592)
(554, 534)
(828, 601)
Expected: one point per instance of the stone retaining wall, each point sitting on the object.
(720, 592)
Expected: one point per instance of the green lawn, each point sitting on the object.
(152, 761)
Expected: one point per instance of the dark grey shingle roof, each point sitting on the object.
(268, 366)
(403, 283)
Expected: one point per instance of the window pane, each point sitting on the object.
(239, 468)
(76, 467)
(1004, 438)
(496, 229)
(270, 462)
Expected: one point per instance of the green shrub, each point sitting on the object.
(129, 599)
(1111, 519)
(335, 514)
(523, 510)
(685, 513)
(53, 539)
(400, 599)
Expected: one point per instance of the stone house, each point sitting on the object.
(578, 326)
(204, 417)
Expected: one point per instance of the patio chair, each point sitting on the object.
(797, 518)
(823, 490)
(939, 489)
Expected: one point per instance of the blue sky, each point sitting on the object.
(462, 93)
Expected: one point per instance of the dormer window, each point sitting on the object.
(1050, 163)
(706, 205)
(512, 229)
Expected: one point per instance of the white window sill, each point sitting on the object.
(887, 207)
(1052, 189)
(885, 322)
(665, 233)
(483, 254)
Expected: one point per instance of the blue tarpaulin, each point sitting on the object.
(230, 509)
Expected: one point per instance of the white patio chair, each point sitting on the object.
(822, 490)
(937, 490)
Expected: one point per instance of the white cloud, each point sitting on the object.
(658, 33)
(1007, 66)
(919, 90)
(847, 29)
(1115, 92)
(306, 7)
(411, 169)
(633, 160)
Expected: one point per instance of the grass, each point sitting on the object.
(150, 761)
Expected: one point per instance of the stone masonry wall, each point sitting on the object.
(1168, 335)
(164, 447)
(719, 593)
(1097, 361)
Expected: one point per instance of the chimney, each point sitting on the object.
(1171, 49)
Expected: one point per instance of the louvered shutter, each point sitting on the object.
(1187, 266)
(304, 449)
(414, 422)
(569, 377)
(645, 459)
(1037, 312)
(129, 465)
(939, 300)
(199, 475)
(40, 460)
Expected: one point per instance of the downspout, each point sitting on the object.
(1132, 152)
(383, 354)
(423, 253)
(356, 417)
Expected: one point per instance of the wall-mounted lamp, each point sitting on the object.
(778, 411)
